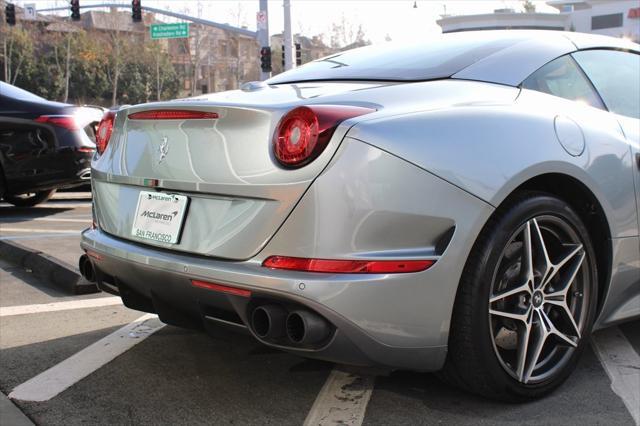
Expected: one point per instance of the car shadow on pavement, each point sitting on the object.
(178, 376)
(26, 277)
(586, 398)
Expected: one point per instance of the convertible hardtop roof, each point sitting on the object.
(497, 56)
(514, 64)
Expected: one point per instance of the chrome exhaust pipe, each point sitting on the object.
(86, 268)
(305, 327)
(268, 321)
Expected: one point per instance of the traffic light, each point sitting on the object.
(75, 10)
(136, 11)
(10, 14)
(283, 62)
(298, 54)
(265, 59)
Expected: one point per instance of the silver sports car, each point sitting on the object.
(468, 205)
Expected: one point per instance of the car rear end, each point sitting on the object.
(46, 145)
(261, 211)
(221, 215)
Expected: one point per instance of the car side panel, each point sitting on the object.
(490, 151)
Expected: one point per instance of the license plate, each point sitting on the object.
(159, 216)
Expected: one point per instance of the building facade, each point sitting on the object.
(616, 18)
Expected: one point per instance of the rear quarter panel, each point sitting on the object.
(491, 150)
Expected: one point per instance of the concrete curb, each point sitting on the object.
(46, 267)
(11, 414)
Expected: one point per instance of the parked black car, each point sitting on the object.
(44, 145)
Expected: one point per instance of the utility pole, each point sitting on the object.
(158, 88)
(6, 56)
(288, 36)
(263, 32)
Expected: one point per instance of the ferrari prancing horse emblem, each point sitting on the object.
(163, 149)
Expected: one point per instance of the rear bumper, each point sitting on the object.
(65, 168)
(154, 280)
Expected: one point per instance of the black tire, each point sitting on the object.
(475, 360)
(30, 199)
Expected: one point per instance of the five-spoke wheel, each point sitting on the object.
(526, 301)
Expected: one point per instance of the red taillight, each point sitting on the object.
(172, 114)
(221, 288)
(65, 121)
(105, 128)
(347, 266)
(304, 132)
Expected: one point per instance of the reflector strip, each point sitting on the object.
(172, 114)
(94, 255)
(221, 288)
(347, 266)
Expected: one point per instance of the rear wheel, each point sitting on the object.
(29, 199)
(526, 301)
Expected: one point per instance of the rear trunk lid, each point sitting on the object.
(238, 193)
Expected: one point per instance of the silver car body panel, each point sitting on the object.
(416, 179)
(240, 195)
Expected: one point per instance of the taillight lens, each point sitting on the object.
(347, 266)
(304, 132)
(68, 122)
(105, 128)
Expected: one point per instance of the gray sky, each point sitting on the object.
(397, 18)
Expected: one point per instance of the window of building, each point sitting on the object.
(563, 78)
(601, 22)
(615, 76)
(223, 48)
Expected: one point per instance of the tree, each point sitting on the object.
(346, 34)
(528, 6)
(19, 59)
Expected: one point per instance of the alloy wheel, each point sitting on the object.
(539, 299)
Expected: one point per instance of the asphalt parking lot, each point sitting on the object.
(67, 360)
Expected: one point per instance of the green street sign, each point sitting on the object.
(179, 30)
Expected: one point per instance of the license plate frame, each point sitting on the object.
(160, 217)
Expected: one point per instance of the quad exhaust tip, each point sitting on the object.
(306, 328)
(300, 327)
(268, 321)
(86, 268)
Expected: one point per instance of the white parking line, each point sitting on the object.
(41, 230)
(343, 400)
(622, 364)
(37, 236)
(51, 382)
(54, 204)
(54, 219)
(8, 311)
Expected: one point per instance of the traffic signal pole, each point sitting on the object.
(288, 36)
(263, 34)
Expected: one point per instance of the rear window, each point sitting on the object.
(438, 58)
(16, 93)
